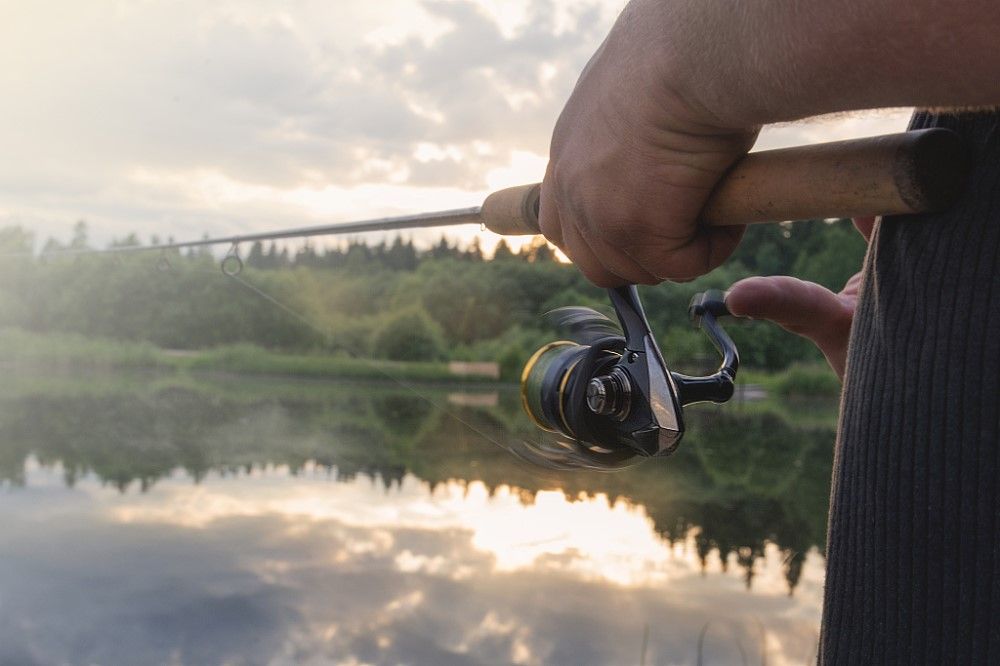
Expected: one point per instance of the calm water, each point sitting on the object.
(179, 520)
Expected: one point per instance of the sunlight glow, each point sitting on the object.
(588, 537)
(262, 207)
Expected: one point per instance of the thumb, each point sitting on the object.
(800, 307)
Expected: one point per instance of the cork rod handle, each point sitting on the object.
(911, 172)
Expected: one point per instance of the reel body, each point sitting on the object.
(611, 392)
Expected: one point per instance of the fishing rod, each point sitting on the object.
(604, 395)
(909, 172)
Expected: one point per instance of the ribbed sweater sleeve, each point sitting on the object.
(913, 547)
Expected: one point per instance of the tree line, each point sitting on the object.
(389, 300)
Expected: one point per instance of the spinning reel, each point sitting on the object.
(608, 395)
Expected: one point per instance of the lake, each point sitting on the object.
(196, 519)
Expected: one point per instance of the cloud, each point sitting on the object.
(278, 97)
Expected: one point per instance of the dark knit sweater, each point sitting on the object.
(913, 552)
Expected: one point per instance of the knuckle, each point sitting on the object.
(550, 224)
(598, 277)
(655, 260)
(649, 280)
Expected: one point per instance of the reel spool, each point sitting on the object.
(610, 393)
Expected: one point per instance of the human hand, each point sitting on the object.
(636, 153)
(804, 308)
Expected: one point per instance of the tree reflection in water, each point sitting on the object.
(746, 480)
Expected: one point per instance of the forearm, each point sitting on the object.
(679, 89)
(764, 61)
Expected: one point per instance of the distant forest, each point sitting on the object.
(391, 300)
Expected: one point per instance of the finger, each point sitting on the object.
(852, 286)
(707, 250)
(616, 260)
(864, 225)
(803, 308)
(548, 213)
(600, 261)
(566, 237)
(584, 258)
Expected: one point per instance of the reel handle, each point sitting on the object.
(910, 172)
(705, 310)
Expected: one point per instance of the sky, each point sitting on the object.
(178, 118)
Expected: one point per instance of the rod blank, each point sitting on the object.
(911, 172)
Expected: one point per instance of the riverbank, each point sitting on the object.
(797, 381)
(68, 350)
(21, 347)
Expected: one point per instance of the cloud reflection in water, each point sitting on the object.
(275, 568)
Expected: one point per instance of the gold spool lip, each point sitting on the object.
(562, 392)
(528, 367)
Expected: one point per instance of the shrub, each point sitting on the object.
(807, 381)
(512, 362)
(410, 335)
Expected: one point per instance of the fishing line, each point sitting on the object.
(235, 276)
(552, 452)
(603, 403)
(548, 452)
(232, 266)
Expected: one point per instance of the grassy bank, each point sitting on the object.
(249, 359)
(798, 381)
(67, 350)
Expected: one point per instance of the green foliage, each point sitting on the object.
(806, 381)
(689, 350)
(765, 345)
(446, 302)
(827, 253)
(54, 350)
(410, 335)
(19, 346)
(512, 362)
(249, 359)
(834, 260)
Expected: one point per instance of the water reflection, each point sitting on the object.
(356, 524)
